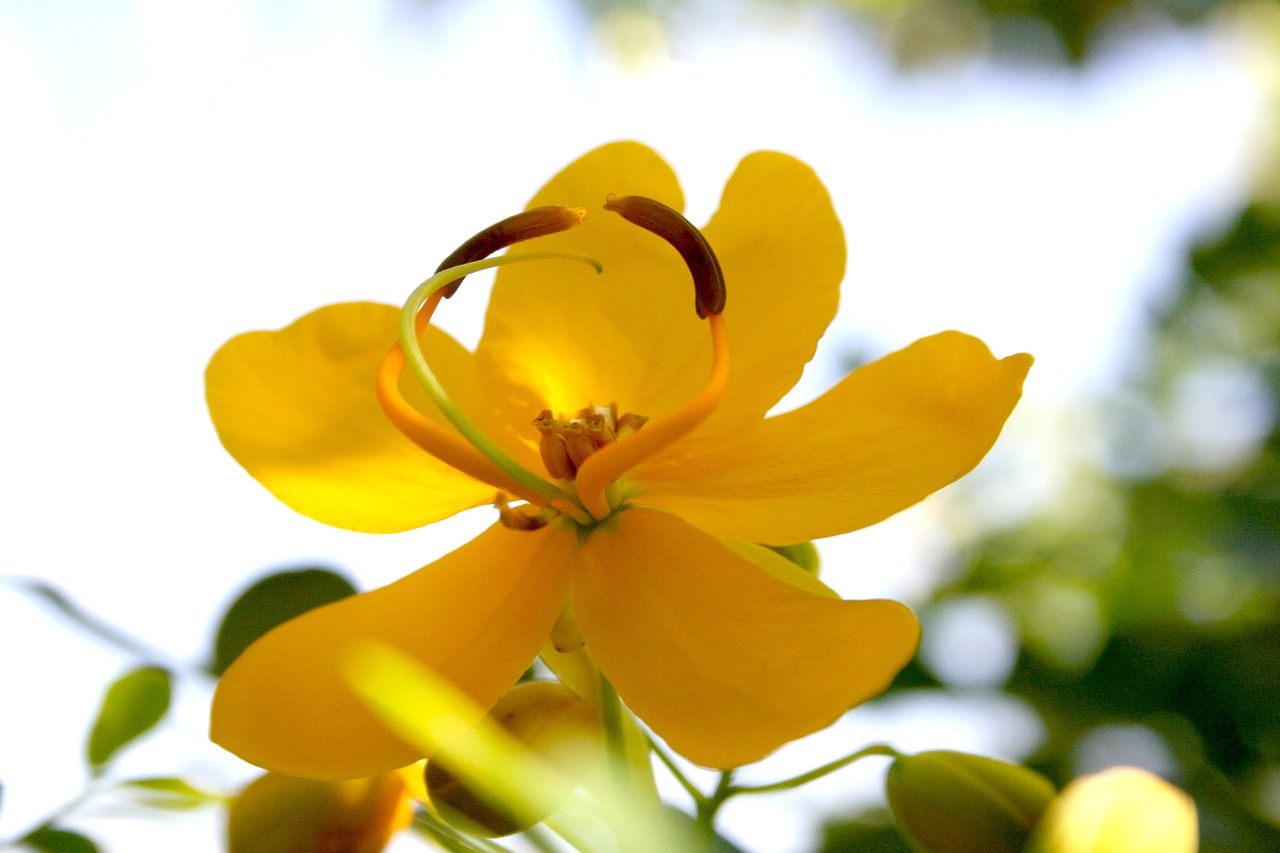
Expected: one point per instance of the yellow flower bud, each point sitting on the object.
(283, 814)
(552, 722)
(952, 802)
(1121, 810)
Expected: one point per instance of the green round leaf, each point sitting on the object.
(270, 602)
(131, 706)
(49, 840)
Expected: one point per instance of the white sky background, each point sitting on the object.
(173, 174)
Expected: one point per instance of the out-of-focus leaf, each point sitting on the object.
(131, 706)
(170, 792)
(270, 602)
(54, 597)
(871, 832)
(47, 839)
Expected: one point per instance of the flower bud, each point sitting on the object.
(1121, 810)
(950, 802)
(552, 722)
(284, 814)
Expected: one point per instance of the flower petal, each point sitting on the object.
(887, 436)
(477, 616)
(297, 408)
(723, 660)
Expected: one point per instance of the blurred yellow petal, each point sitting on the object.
(888, 435)
(477, 617)
(555, 725)
(297, 408)
(1122, 810)
(283, 814)
(723, 660)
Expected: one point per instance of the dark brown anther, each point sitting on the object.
(708, 280)
(538, 222)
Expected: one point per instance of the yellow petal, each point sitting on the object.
(887, 436)
(477, 617)
(283, 814)
(297, 408)
(559, 336)
(723, 660)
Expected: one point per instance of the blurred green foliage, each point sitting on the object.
(1148, 600)
(47, 839)
(272, 601)
(131, 707)
(921, 31)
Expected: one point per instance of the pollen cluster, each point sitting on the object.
(567, 442)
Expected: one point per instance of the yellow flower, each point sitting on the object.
(282, 814)
(1121, 810)
(724, 648)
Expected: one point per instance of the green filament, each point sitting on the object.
(418, 364)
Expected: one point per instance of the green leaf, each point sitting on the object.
(169, 792)
(49, 840)
(270, 602)
(85, 620)
(131, 706)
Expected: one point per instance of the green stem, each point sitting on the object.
(670, 763)
(450, 838)
(615, 736)
(818, 773)
(709, 807)
(540, 839)
(418, 364)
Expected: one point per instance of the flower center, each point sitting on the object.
(566, 443)
(591, 449)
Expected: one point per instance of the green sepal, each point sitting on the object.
(951, 801)
(803, 554)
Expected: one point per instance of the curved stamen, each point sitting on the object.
(670, 225)
(538, 222)
(548, 493)
(612, 461)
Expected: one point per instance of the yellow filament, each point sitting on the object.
(612, 461)
(449, 447)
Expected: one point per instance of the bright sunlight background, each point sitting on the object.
(172, 174)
